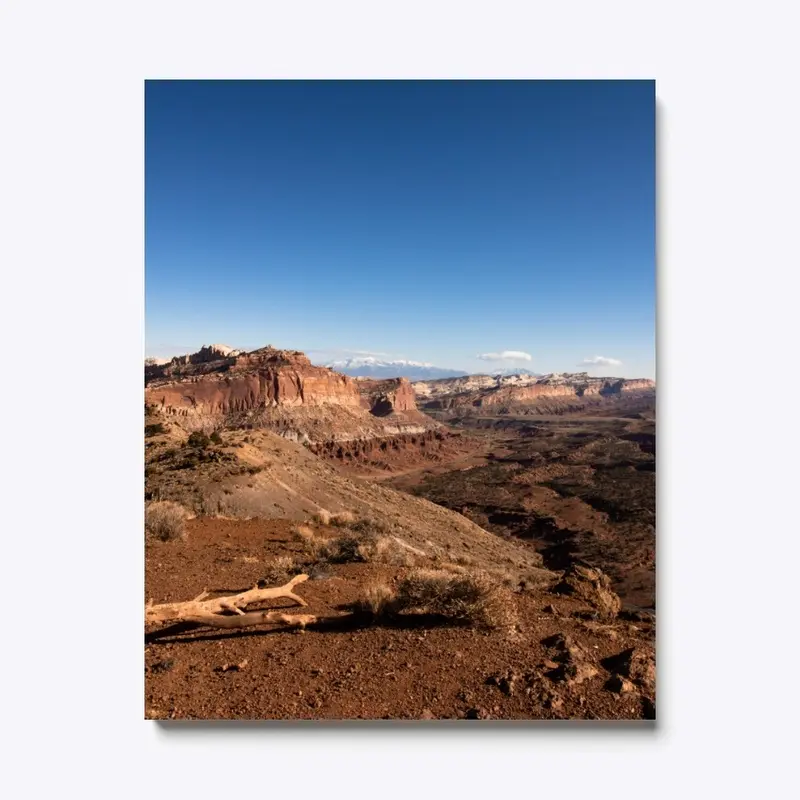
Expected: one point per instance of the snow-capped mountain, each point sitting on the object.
(371, 367)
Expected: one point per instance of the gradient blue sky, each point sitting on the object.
(429, 220)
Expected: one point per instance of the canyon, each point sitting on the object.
(543, 486)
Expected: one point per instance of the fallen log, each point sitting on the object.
(253, 618)
(202, 608)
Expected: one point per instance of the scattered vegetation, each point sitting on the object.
(343, 519)
(349, 547)
(279, 570)
(166, 520)
(155, 429)
(536, 579)
(321, 517)
(312, 545)
(473, 599)
(198, 439)
(377, 603)
(365, 540)
(215, 437)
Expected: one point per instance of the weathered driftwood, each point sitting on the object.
(253, 618)
(200, 608)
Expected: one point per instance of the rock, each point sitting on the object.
(567, 649)
(427, 714)
(573, 673)
(553, 701)
(573, 662)
(557, 640)
(162, 666)
(232, 667)
(634, 663)
(592, 586)
(504, 682)
(475, 713)
(620, 685)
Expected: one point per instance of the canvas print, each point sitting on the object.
(399, 430)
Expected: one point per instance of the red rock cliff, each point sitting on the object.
(263, 378)
(387, 396)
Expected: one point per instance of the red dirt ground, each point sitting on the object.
(337, 671)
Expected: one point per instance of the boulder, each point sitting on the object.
(592, 586)
(636, 664)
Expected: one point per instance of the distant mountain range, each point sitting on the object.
(371, 367)
(356, 367)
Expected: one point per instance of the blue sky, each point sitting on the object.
(428, 220)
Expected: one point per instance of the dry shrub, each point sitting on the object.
(312, 545)
(278, 571)
(166, 520)
(322, 517)
(302, 533)
(369, 525)
(535, 579)
(377, 602)
(360, 543)
(343, 519)
(347, 519)
(348, 547)
(475, 599)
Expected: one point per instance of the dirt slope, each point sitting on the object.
(259, 474)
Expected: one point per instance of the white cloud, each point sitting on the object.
(506, 355)
(600, 361)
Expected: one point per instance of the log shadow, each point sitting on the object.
(348, 622)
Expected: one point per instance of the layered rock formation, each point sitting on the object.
(282, 390)
(387, 396)
(211, 383)
(481, 391)
(382, 449)
(429, 390)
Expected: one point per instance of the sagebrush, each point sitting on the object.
(166, 520)
(474, 599)
(279, 570)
